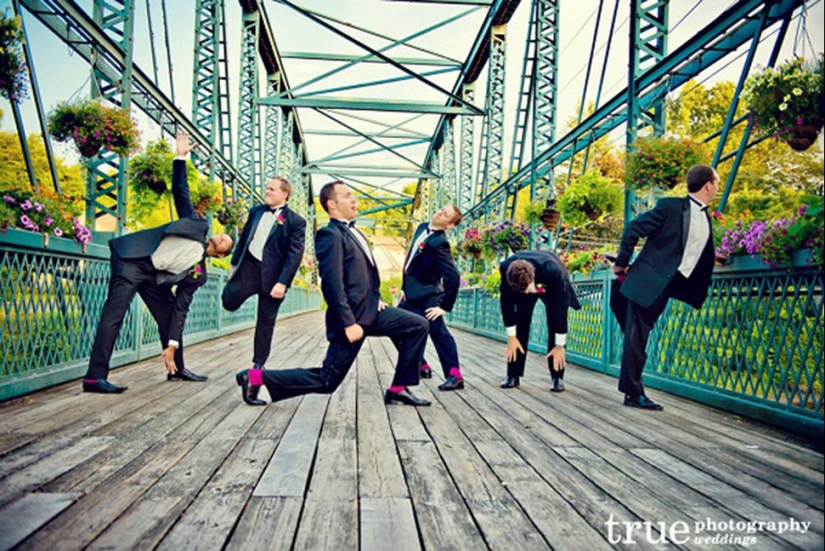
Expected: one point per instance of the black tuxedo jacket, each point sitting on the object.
(432, 271)
(349, 281)
(190, 225)
(666, 228)
(552, 276)
(283, 249)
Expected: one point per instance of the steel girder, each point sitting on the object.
(546, 75)
(205, 73)
(249, 116)
(466, 195)
(286, 148)
(106, 171)
(494, 120)
(448, 166)
(719, 38)
(273, 123)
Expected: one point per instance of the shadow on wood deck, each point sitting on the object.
(189, 466)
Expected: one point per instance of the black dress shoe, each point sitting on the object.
(510, 382)
(558, 386)
(248, 392)
(185, 375)
(404, 397)
(452, 383)
(426, 373)
(102, 386)
(642, 402)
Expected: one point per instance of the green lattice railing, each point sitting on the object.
(755, 348)
(52, 297)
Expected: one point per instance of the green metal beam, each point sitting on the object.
(318, 56)
(365, 104)
(367, 172)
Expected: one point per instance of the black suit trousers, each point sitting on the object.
(127, 277)
(407, 331)
(245, 282)
(525, 304)
(443, 341)
(639, 322)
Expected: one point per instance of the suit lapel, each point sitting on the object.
(367, 256)
(685, 222)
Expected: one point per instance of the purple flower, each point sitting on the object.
(8, 199)
(48, 221)
(26, 205)
(58, 232)
(38, 207)
(25, 220)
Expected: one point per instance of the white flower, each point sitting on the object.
(787, 97)
(783, 106)
(797, 91)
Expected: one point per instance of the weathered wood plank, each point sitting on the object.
(267, 523)
(23, 517)
(388, 522)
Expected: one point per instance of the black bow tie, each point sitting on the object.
(702, 207)
(274, 210)
(350, 224)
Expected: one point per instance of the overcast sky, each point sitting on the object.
(63, 74)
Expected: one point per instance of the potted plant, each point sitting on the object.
(590, 197)
(232, 213)
(585, 261)
(41, 214)
(541, 212)
(150, 177)
(505, 237)
(659, 163)
(788, 101)
(92, 126)
(206, 196)
(12, 65)
(471, 246)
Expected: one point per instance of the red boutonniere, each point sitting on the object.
(281, 219)
(196, 271)
(540, 289)
(421, 246)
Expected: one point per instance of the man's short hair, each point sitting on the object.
(328, 193)
(698, 176)
(286, 185)
(520, 275)
(457, 216)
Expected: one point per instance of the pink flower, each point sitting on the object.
(58, 232)
(717, 215)
(281, 219)
(48, 221)
(26, 205)
(540, 289)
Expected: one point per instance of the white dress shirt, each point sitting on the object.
(176, 254)
(360, 239)
(698, 235)
(265, 224)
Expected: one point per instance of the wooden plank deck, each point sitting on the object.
(189, 466)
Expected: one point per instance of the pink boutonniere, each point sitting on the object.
(196, 271)
(540, 290)
(421, 246)
(281, 219)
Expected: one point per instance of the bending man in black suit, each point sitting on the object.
(350, 283)
(527, 277)
(150, 262)
(265, 261)
(676, 261)
(430, 287)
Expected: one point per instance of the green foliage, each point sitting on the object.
(232, 214)
(661, 162)
(501, 239)
(787, 97)
(206, 196)
(92, 125)
(590, 197)
(385, 288)
(472, 245)
(585, 261)
(492, 283)
(150, 179)
(42, 214)
(13, 73)
(531, 212)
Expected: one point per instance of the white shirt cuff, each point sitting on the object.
(561, 339)
(511, 331)
(174, 344)
(181, 158)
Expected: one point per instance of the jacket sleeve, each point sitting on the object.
(507, 299)
(295, 252)
(641, 226)
(450, 275)
(329, 248)
(180, 190)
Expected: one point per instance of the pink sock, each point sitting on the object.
(425, 367)
(89, 380)
(255, 377)
(456, 372)
(397, 388)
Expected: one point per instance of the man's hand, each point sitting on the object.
(354, 332)
(182, 144)
(721, 259)
(558, 357)
(401, 297)
(619, 270)
(513, 346)
(278, 291)
(434, 313)
(168, 356)
(381, 305)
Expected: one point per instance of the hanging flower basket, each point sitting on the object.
(787, 101)
(13, 73)
(206, 197)
(471, 245)
(93, 126)
(541, 212)
(660, 163)
(590, 197)
(232, 213)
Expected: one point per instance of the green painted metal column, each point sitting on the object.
(448, 168)
(545, 88)
(493, 133)
(205, 106)
(273, 123)
(106, 172)
(467, 195)
(249, 120)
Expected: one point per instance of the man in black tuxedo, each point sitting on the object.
(265, 261)
(676, 261)
(527, 277)
(430, 287)
(149, 263)
(350, 283)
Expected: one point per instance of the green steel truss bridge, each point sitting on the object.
(371, 136)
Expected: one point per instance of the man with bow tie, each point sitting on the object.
(269, 253)
(676, 261)
(430, 287)
(149, 263)
(350, 283)
(526, 278)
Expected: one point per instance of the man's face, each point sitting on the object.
(274, 196)
(713, 187)
(219, 245)
(345, 202)
(444, 217)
